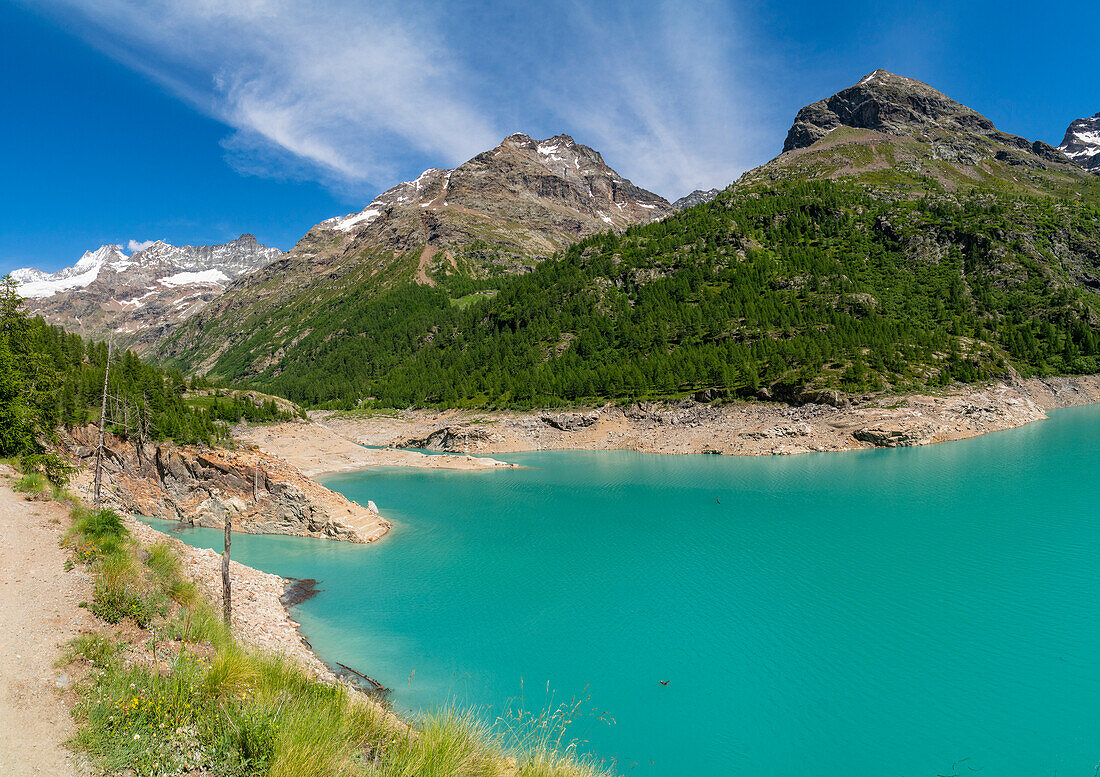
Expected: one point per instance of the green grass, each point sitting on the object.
(469, 299)
(33, 484)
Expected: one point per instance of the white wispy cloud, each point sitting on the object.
(139, 245)
(354, 94)
(668, 92)
(342, 88)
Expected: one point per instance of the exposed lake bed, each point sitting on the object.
(812, 422)
(889, 611)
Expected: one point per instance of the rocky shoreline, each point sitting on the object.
(260, 618)
(199, 486)
(827, 421)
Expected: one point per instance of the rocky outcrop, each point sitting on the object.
(448, 438)
(888, 435)
(570, 422)
(697, 197)
(260, 494)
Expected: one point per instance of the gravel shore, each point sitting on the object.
(259, 618)
(734, 428)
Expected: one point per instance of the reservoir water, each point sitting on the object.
(919, 612)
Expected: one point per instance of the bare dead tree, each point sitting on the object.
(227, 608)
(102, 429)
(142, 424)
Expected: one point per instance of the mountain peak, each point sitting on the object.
(522, 180)
(886, 102)
(697, 197)
(1082, 143)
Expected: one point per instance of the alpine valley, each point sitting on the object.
(902, 273)
(900, 241)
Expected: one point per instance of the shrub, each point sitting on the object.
(55, 468)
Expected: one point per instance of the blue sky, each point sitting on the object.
(196, 120)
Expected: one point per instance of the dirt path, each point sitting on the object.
(38, 612)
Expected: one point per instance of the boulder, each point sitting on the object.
(570, 422)
(891, 435)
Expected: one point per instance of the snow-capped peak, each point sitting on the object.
(35, 283)
(1082, 142)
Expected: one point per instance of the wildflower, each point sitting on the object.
(137, 736)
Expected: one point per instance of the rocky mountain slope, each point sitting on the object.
(901, 241)
(500, 213)
(899, 133)
(526, 198)
(1082, 143)
(697, 197)
(136, 298)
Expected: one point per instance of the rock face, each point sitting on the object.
(886, 435)
(896, 105)
(137, 298)
(697, 197)
(1082, 143)
(900, 132)
(448, 438)
(570, 422)
(555, 190)
(200, 487)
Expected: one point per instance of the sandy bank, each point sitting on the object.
(737, 428)
(315, 449)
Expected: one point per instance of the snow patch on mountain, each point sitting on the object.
(36, 284)
(348, 222)
(1082, 143)
(188, 278)
(142, 294)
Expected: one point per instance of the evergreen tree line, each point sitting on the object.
(50, 378)
(805, 284)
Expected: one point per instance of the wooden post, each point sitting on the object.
(102, 427)
(227, 609)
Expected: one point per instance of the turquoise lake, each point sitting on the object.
(884, 612)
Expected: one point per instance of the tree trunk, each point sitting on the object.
(227, 609)
(102, 427)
